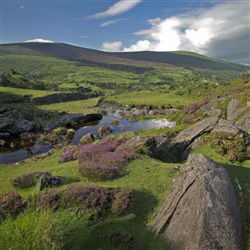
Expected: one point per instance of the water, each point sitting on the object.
(124, 125)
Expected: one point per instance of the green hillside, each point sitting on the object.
(111, 188)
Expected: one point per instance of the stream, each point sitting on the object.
(124, 125)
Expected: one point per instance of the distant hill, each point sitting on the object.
(139, 59)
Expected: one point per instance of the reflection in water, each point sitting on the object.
(124, 125)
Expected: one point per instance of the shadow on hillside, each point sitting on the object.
(68, 180)
(126, 231)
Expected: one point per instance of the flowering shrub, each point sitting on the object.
(104, 160)
(50, 200)
(67, 155)
(11, 204)
(88, 198)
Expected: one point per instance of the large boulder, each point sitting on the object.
(16, 122)
(202, 210)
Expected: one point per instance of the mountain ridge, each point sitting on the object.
(140, 58)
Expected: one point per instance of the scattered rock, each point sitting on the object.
(202, 210)
(104, 130)
(27, 136)
(87, 138)
(30, 179)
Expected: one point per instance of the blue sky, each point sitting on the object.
(217, 29)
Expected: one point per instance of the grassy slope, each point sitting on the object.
(149, 178)
(141, 177)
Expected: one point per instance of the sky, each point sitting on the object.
(218, 29)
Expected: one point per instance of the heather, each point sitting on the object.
(104, 160)
(86, 198)
(68, 155)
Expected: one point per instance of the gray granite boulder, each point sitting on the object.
(202, 210)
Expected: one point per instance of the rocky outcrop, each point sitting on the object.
(202, 210)
(71, 120)
(16, 122)
(188, 135)
(226, 127)
(238, 114)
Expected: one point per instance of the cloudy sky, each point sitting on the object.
(218, 29)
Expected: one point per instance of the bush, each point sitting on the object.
(27, 180)
(11, 204)
(86, 198)
(108, 163)
(233, 147)
(68, 155)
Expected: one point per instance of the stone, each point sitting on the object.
(201, 211)
(104, 130)
(232, 110)
(87, 138)
(226, 127)
(189, 134)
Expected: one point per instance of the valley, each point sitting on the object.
(114, 182)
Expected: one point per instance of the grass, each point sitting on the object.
(24, 92)
(65, 230)
(82, 106)
(153, 98)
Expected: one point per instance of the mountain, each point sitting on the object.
(139, 59)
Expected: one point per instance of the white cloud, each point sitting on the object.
(105, 24)
(112, 47)
(140, 45)
(117, 9)
(221, 31)
(39, 40)
(83, 37)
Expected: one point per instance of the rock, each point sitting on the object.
(189, 134)
(4, 136)
(115, 122)
(51, 181)
(87, 138)
(70, 133)
(22, 125)
(244, 121)
(71, 120)
(232, 110)
(226, 127)
(202, 210)
(210, 107)
(30, 179)
(27, 135)
(104, 130)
